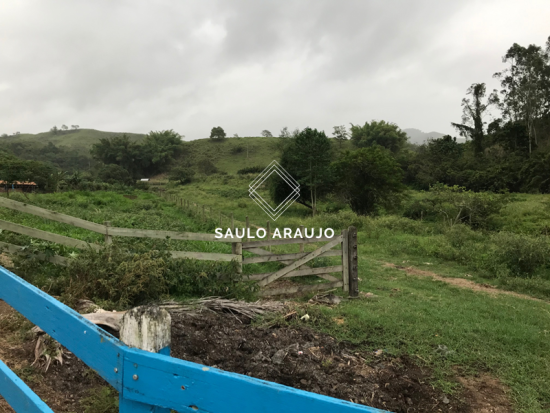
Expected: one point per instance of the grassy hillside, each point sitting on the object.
(233, 154)
(80, 140)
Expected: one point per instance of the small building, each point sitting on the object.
(18, 186)
(145, 180)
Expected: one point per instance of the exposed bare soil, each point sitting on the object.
(297, 357)
(460, 282)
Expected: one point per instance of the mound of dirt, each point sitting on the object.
(293, 356)
(307, 360)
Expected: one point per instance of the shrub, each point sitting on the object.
(207, 167)
(456, 205)
(119, 278)
(400, 224)
(369, 179)
(182, 175)
(251, 170)
(518, 255)
(113, 174)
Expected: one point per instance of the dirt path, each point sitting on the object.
(461, 282)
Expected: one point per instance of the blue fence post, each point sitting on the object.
(149, 329)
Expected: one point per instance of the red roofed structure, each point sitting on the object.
(18, 186)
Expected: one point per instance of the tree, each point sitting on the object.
(472, 116)
(4, 135)
(75, 127)
(235, 135)
(266, 134)
(526, 87)
(153, 155)
(115, 174)
(217, 133)
(54, 130)
(307, 159)
(284, 133)
(380, 133)
(64, 127)
(56, 179)
(207, 167)
(340, 133)
(182, 175)
(368, 179)
(13, 170)
(121, 151)
(162, 148)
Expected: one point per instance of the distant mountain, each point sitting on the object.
(418, 137)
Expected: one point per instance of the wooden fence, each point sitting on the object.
(343, 275)
(147, 381)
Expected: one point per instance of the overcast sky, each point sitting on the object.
(137, 66)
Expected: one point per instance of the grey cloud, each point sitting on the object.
(245, 65)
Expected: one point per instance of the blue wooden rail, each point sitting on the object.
(147, 382)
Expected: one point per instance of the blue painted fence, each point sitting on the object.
(163, 382)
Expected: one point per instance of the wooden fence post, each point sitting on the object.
(268, 227)
(237, 249)
(345, 263)
(303, 236)
(352, 262)
(246, 229)
(108, 238)
(149, 329)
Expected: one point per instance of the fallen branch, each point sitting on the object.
(217, 304)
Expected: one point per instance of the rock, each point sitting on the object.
(446, 400)
(279, 357)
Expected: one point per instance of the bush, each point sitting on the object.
(119, 278)
(400, 224)
(251, 170)
(116, 278)
(518, 255)
(369, 179)
(456, 205)
(114, 174)
(207, 167)
(182, 175)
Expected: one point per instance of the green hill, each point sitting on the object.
(80, 140)
(229, 155)
(233, 154)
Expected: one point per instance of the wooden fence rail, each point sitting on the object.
(108, 231)
(147, 382)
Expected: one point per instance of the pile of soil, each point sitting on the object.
(292, 356)
(307, 360)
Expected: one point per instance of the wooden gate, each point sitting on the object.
(343, 275)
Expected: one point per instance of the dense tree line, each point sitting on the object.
(141, 159)
(512, 151)
(58, 156)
